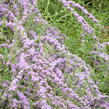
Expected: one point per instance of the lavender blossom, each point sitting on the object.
(37, 74)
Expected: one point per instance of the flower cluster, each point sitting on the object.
(45, 75)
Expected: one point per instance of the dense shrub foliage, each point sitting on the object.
(38, 70)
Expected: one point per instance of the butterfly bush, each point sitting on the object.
(45, 74)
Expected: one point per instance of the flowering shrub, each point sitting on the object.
(44, 73)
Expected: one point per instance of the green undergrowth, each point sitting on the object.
(4, 71)
(6, 36)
